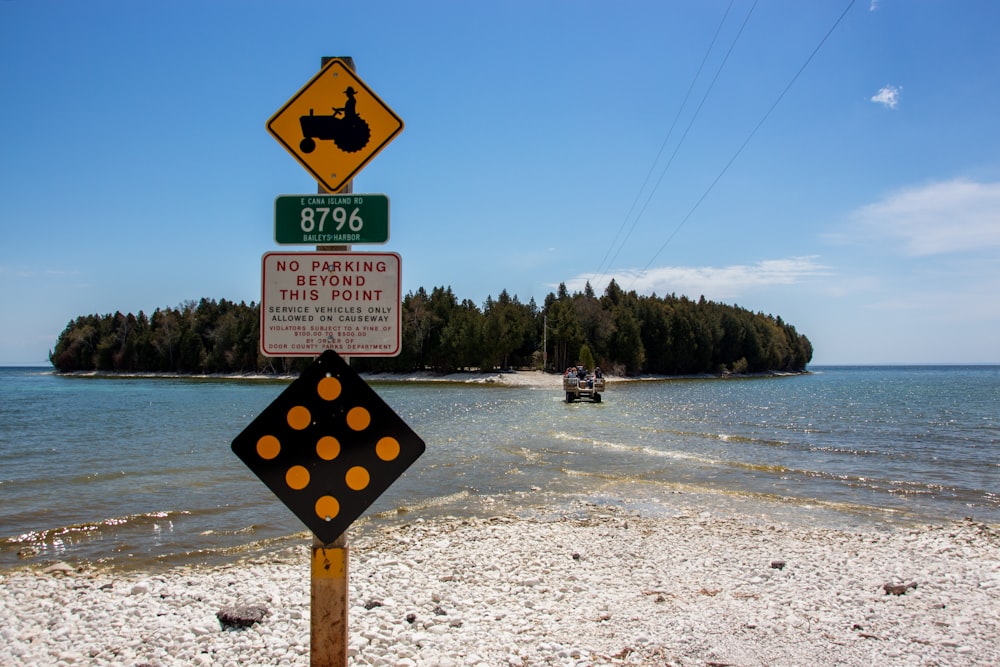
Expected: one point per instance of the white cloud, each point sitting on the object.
(715, 283)
(873, 6)
(946, 217)
(888, 96)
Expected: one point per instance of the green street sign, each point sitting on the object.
(331, 219)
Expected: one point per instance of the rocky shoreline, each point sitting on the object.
(599, 586)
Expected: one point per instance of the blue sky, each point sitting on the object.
(834, 163)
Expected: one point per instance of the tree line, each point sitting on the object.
(623, 332)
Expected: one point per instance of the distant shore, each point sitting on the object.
(601, 585)
(518, 378)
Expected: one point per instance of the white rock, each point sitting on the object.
(205, 625)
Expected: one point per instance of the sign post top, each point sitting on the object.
(334, 125)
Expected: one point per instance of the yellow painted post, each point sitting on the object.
(328, 621)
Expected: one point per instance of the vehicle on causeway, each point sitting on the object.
(580, 384)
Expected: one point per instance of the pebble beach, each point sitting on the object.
(602, 585)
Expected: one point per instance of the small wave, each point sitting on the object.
(660, 453)
(247, 530)
(720, 437)
(830, 449)
(741, 439)
(562, 435)
(639, 449)
(760, 467)
(911, 492)
(427, 504)
(54, 542)
(144, 519)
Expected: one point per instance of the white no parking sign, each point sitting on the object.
(342, 301)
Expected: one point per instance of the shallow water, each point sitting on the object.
(140, 471)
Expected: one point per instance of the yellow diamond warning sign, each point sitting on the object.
(334, 125)
(328, 446)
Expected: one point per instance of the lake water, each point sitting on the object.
(138, 472)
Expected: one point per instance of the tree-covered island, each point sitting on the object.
(623, 332)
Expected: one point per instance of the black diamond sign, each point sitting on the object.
(328, 446)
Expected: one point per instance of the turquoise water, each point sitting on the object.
(135, 472)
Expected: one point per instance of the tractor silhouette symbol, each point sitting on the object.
(344, 127)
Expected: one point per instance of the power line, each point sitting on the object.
(601, 266)
(747, 140)
(687, 130)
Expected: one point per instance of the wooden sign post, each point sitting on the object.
(328, 446)
(328, 591)
(328, 603)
